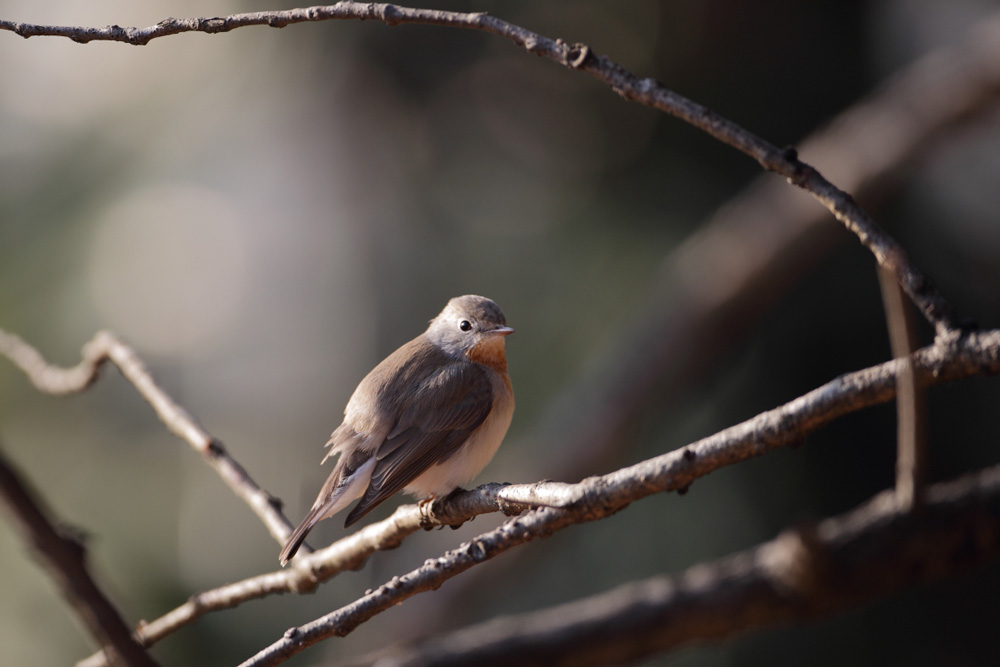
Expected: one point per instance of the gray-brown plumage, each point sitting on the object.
(426, 420)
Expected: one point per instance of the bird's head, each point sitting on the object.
(471, 326)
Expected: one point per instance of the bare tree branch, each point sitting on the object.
(598, 497)
(349, 553)
(105, 346)
(64, 558)
(911, 454)
(714, 285)
(806, 573)
(646, 91)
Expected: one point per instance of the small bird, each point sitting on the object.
(426, 420)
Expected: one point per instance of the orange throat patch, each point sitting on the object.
(490, 352)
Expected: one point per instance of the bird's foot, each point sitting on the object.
(432, 514)
(427, 516)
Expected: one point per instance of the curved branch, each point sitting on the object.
(64, 557)
(646, 91)
(105, 346)
(877, 549)
(763, 238)
(598, 497)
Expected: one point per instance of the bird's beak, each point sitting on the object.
(503, 331)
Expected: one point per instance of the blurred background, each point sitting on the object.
(265, 214)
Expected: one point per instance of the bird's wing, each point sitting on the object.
(347, 481)
(449, 405)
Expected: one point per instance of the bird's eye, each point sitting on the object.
(465, 325)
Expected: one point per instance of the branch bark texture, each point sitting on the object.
(841, 563)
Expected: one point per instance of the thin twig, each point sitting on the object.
(105, 346)
(646, 91)
(598, 497)
(911, 454)
(64, 558)
(804, 574)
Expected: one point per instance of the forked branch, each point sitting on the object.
(104, 347)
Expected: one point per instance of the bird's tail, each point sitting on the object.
(345, 483)
(298, 535)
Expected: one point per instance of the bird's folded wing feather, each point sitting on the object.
(449, 405)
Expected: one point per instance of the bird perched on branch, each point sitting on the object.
(426, 420)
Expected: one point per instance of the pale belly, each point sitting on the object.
(472, 457)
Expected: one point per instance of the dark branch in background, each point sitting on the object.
(911, 408)
(105, 346)
(599, 497)
(646, 91)
(64, 558)
(841, 563)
